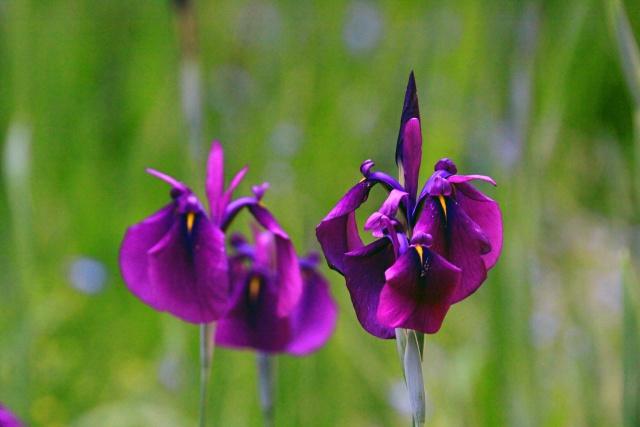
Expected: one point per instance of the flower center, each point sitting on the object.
(254, 288)
(191, 217)
(444, 205)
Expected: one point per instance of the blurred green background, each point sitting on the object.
(532, 93)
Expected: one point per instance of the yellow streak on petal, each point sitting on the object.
(191, 217)
(444, 205)
(361, 180)
(254, 288)
(419, 250)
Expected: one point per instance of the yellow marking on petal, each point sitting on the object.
(254, 288)
(191, 217)
(419, 250)
(444, 205)
(363, 179)
(261, 205)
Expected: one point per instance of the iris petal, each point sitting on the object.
(412, 155)
(215, 181)
(338, 231)
(486, 213)
(188, 273)
(364, 272)
(458, 239)
(290, 289)
(410, 110)
(253, 323)
(418, 291)
(314, 319)
(137, 241)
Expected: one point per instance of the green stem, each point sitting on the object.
(266, 386)
(410, 351)
(207, 332)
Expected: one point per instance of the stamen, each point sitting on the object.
(191, 217)
(419, 250)
(444, 205)
(254, 288)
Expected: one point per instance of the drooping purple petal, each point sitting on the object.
(138, 240)
(418, 291)
(290, 280)
(314, 318)
(251, 320)
(364, 271)
(338, 231)
(7, 419)
(458, 239)
(485, 212)
(187, 272)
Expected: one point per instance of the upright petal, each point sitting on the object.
(290, 279)
(458, 239)
(364, 271)
(412, 157)
(410, 109)
(409, 145)
(314, 318)
(188, 271)
(138, 240)
(486, 213)
(215, 181)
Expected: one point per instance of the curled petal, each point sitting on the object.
(226, 197)
(418, 291)
(364, 271)
(258, 190)
(314, 318)
(290, 280)
(446, 164)
(177, 185)
(138, 240)
(376, 222)
(458, 239)
(457, 179)
(485, 212)
(338, 231)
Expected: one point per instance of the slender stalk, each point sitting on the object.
(207, 332)
(266, 386)
(190, 76)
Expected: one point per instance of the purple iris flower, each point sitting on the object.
(176, 261)
(252, 319)
(434, 247)
(7, 419)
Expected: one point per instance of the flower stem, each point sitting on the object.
(410, 349)
(207, 333)
(266, 386)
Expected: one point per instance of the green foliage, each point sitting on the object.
(531, 93)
